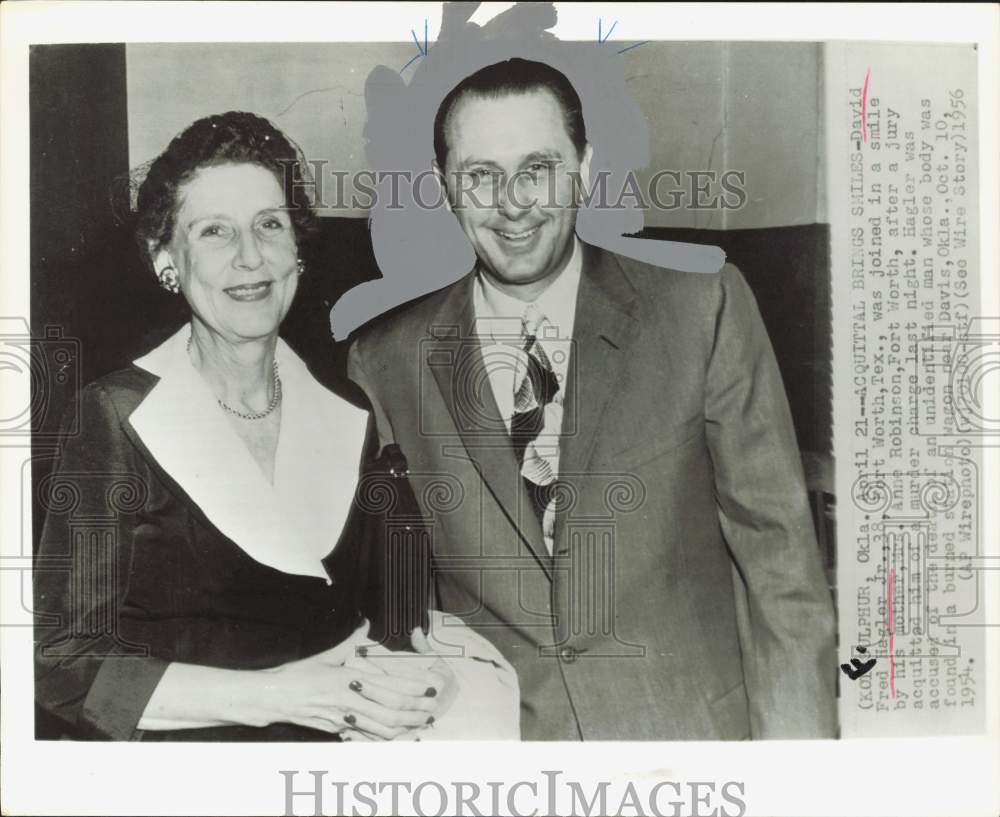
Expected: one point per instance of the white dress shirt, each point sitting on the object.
(498, 326)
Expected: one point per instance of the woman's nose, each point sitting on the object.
(248, 255)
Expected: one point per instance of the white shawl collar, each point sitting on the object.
(291, 525)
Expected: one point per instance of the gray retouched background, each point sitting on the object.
(767, 93)
(658, 106)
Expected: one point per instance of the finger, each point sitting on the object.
(386, 716)
(405, 665)
(394, 699)
(371, 727)
(442, 669)
(443, 677)
(320, 723)
(438, 639)
(358, 736)
(423, 686)
(419, 641)
(348, 647)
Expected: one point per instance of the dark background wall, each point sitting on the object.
(89, 282)
(88, 278)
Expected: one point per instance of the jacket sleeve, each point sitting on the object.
(358, 373)
(785, 611)
(375, 564)
(88, 672)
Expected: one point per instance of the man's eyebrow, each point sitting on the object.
(472, 161)
(542, 156)
(534, 156)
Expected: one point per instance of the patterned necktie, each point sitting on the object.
(535, 391)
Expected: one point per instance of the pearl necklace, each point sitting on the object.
(255, 415)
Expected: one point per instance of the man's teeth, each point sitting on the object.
(516, 236)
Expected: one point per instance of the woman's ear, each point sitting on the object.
(160, 258)
(167, 274)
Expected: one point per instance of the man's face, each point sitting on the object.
(508, 172)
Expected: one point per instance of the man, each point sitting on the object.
(605, 451)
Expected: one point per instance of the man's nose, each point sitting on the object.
(248, 255)
(513, 203)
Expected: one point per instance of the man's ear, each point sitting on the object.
(588, 154)
(439, 175)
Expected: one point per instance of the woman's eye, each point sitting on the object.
(214, 231)
(273, 226)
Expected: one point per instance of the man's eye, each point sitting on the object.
(483, 174)
(541, 168)
(272, 224)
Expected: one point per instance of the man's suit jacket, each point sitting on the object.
(685, 598)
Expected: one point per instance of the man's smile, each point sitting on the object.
(517, 237)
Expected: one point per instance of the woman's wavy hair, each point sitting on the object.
(229, 138)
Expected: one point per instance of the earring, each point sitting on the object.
(169, 281)
(301, 265)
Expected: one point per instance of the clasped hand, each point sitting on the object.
(363, 688)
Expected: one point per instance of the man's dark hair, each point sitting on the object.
(513, 76)
(230, 138)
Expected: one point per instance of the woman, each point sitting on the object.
(212, 549)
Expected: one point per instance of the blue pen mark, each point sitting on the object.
(603, 38)
(633, 46)
(421, 50)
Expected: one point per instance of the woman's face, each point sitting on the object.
(234, 250)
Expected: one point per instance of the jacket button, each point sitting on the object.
(567, 655)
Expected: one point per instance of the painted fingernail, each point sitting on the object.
(361, 652)
(430, 692)
(354, 686)
(430, 719)
(350, 719)
(346, 740)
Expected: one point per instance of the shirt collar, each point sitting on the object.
(557, 302)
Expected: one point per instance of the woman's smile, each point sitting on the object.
(256, 291)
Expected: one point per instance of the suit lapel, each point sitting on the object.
(467, 393)
(603, 331)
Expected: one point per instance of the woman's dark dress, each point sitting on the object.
(130, 575)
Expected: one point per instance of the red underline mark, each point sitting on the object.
(864, 107)
(892, 629)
